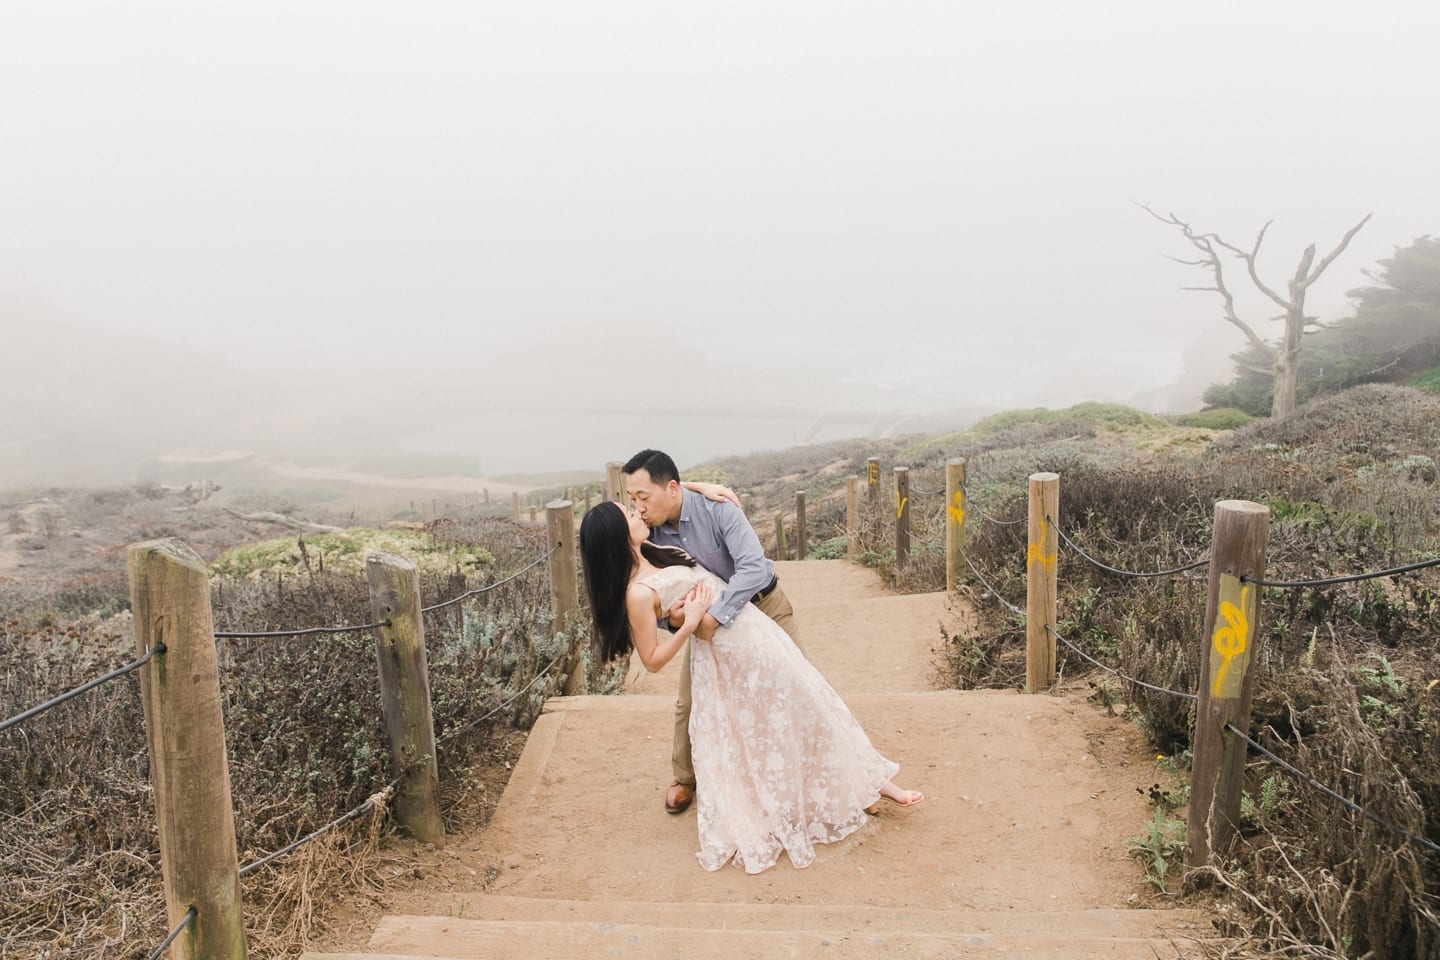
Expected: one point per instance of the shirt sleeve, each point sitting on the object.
(750, 574)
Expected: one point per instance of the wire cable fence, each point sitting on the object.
(1348, 804)
(380, 798)
(1115, 570)
(185, 921)
(35, 711)
(1304, 777)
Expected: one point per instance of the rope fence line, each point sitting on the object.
(230, 635)
(985, 516)
(1350, 804)
(1123, 676)
(299, 633)
(491, 586)
(84, 687)
(1328, 581)
(165, 945)
(1115, 570)
(993, 592)
(513, 697)
(380, 796)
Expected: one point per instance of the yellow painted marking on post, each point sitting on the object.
(901, 507)
(873, 472)
(957, 508)
(1035, 553)
(1232, 638)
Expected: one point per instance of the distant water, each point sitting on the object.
(545, 441)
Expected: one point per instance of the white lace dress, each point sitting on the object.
(780, 763)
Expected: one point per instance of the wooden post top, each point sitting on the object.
(1241, 506)
(172, 549)
(382, 559)
(1044, 477)
(558, 504)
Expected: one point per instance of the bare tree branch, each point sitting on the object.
(1344, 242)
(1205, 244)
(1249, 259)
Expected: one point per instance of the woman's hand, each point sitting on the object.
(712, 491)
(697, 604)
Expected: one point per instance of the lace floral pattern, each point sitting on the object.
(780, 763)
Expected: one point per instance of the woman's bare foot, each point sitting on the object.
(897, 796)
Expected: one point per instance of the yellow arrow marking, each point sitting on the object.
(1036, 551)
(957, 508)
(901, 508)
(1232, 639)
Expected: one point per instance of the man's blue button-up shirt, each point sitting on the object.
(722, 541)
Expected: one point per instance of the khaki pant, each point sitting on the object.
(777, 607)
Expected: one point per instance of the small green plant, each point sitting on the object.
(1156, 848)
(832, 549)
(1274, 793)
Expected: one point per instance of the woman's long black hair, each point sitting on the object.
(606, 558)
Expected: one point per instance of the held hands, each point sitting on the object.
(697, 604)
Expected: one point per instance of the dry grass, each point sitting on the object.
(79, 868)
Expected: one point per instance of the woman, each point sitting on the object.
(780, 763)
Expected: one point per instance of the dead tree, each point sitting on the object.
(1285, 354)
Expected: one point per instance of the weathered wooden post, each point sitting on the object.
(515, 503)
(487, 496)
(1040, 582)
(954, 521)
(782, 550)
(587, 498)
(564, 587)
(184, 729)
(614, 482)
(532, 513)
(852, 517)
(902, 518)
(800, 550)
(872, 479)
(405, 693)
(1232, 628)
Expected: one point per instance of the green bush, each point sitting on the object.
(1215, 418)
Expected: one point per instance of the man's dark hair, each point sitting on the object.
(659, 465)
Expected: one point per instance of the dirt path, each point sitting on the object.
(1029, 802)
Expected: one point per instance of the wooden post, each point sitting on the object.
(781, 548)
(902, 518)
(1040, 582)
(954, 521)
(615, 482)
(487, 496)
(800, 550)
(405, 693)
(1232, 629)
(564, 587)
(587, 498)
(184, 730)
(515, 503)
(872, 479)
(852, 517)
(532, 513)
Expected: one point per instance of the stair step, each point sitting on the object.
(463, 939)
(1095, 923)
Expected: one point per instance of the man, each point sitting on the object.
(720, 538)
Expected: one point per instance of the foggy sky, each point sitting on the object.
(412, 215)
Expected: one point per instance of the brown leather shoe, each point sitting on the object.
(678, 797)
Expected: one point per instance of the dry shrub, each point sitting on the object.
(1343, 689)
(304, 740)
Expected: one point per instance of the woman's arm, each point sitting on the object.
(641, 604)
(711, 491)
